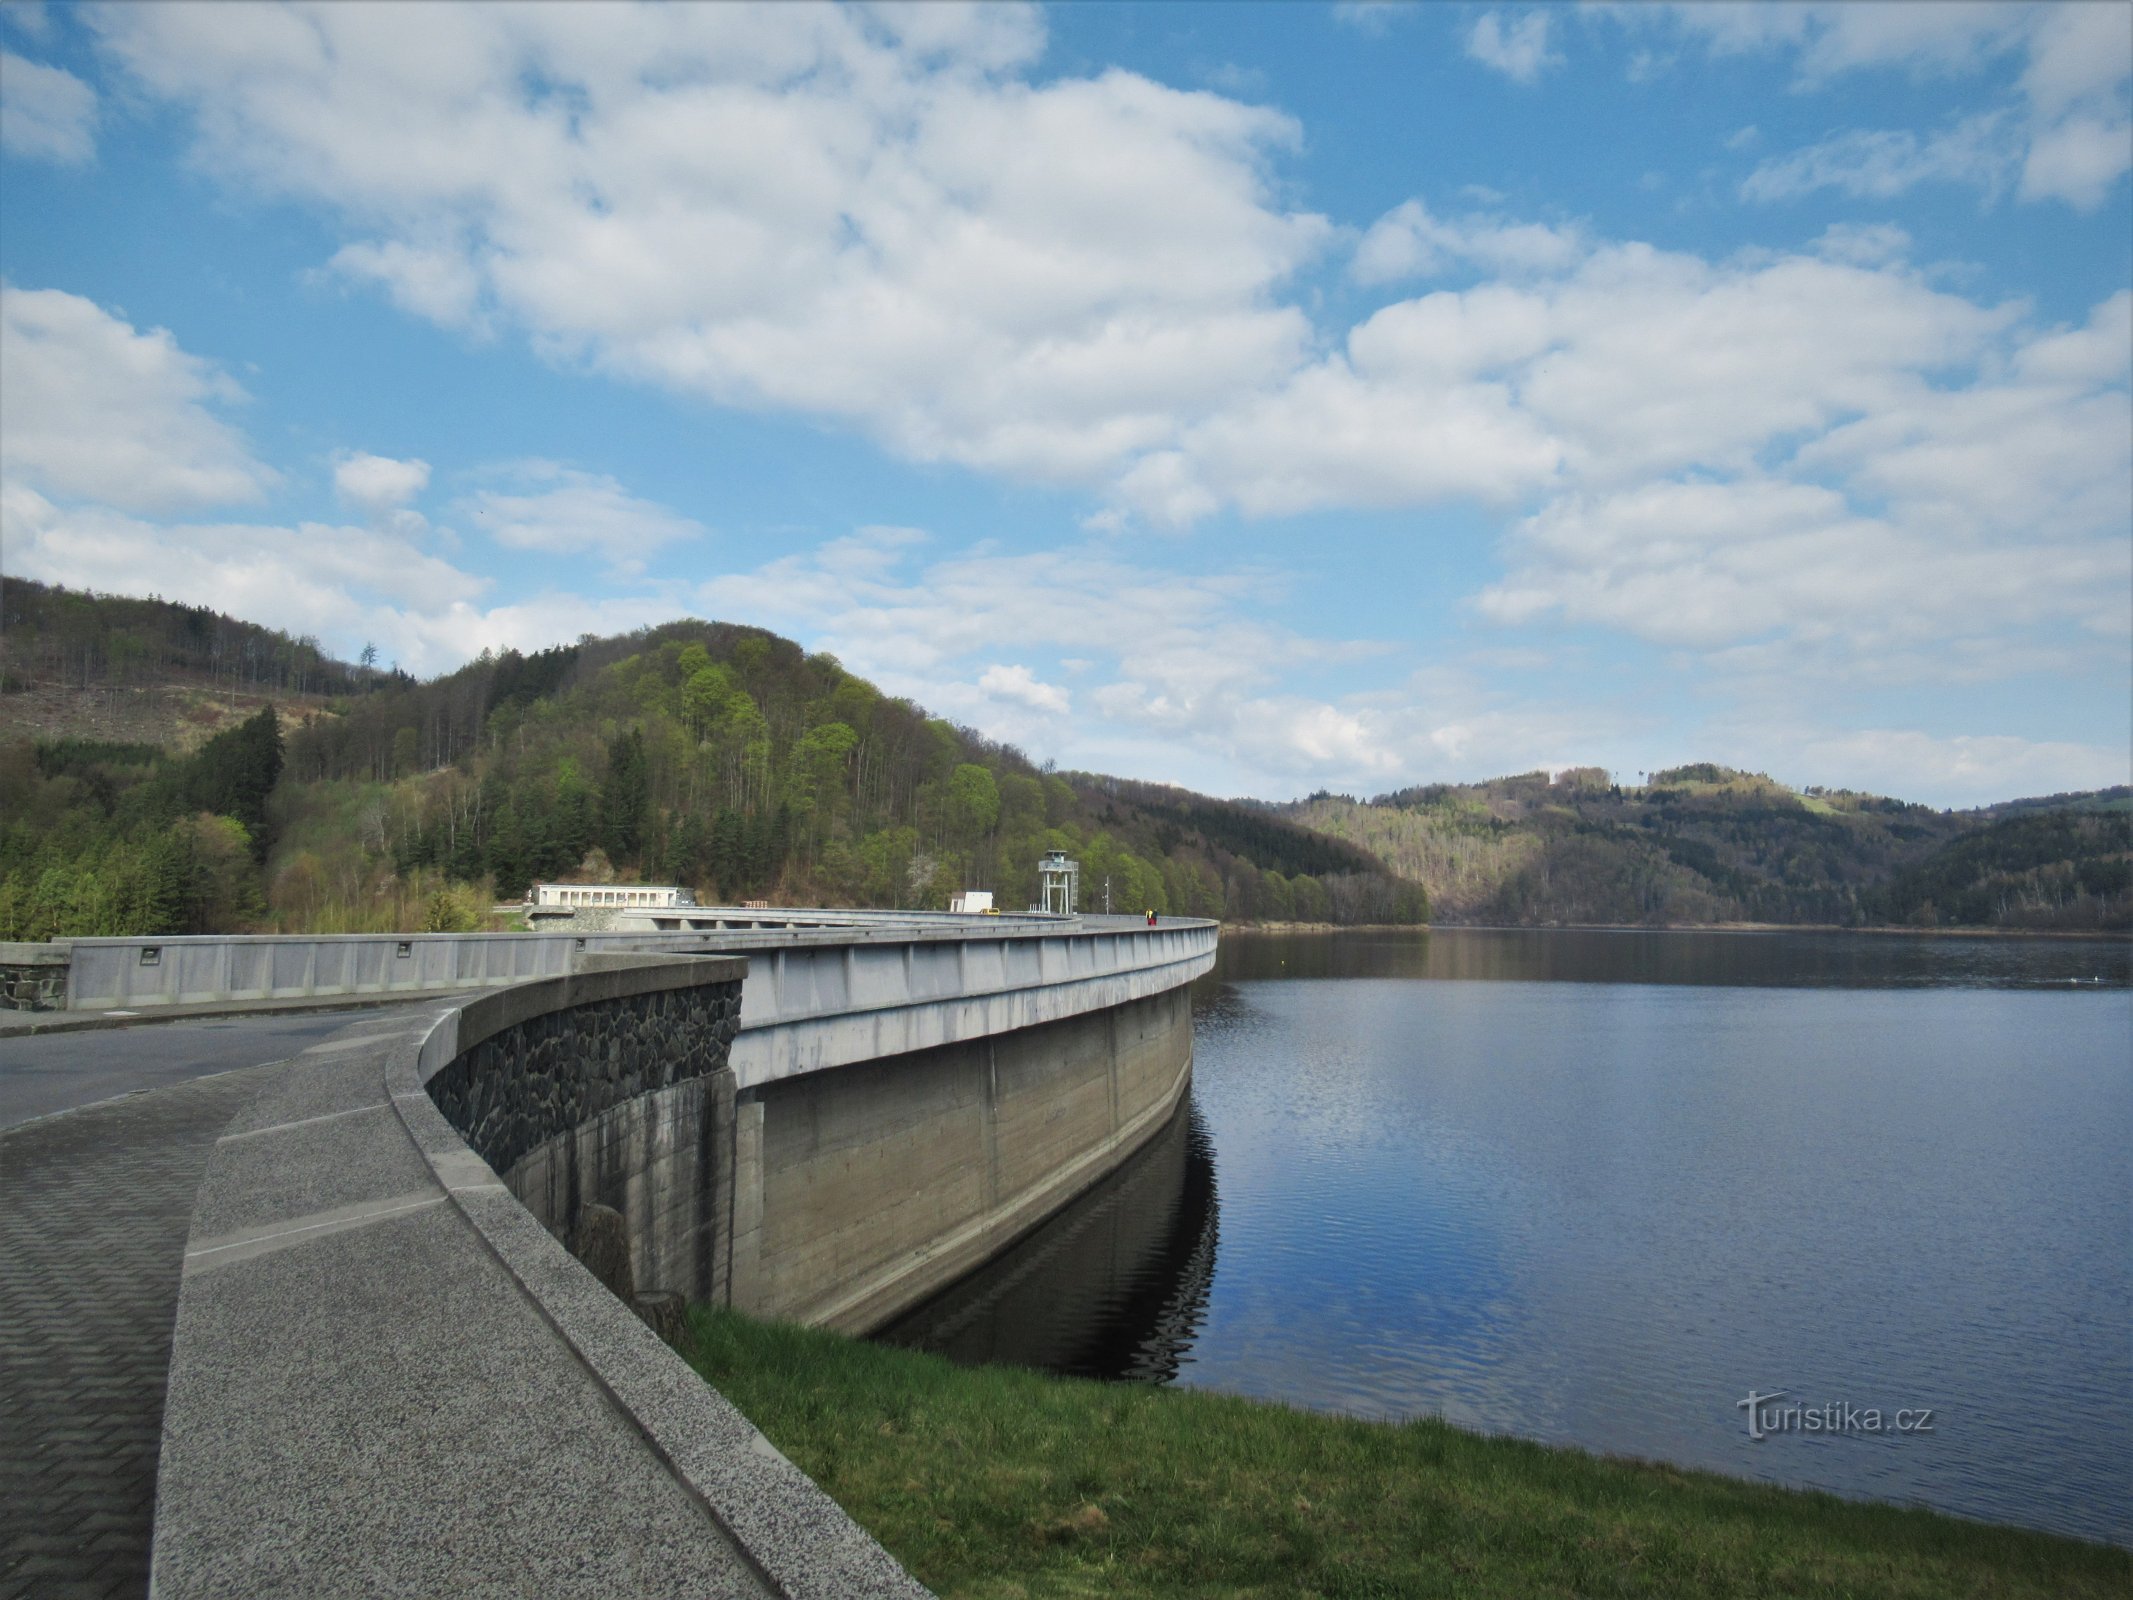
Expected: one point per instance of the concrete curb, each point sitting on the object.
(800, 1540)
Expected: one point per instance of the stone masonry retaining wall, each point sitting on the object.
(542, 1077)
(626, 1104)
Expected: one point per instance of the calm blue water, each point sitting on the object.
(1598, 1187)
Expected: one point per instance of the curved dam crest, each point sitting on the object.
(390, 1375)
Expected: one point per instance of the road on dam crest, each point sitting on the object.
(41, 1074)
(95, 1204)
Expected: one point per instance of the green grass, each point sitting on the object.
(997, 1482)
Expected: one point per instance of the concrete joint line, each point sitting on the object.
(232, 1248)
(359, 1042)
(300, 1122)
(463, 1170)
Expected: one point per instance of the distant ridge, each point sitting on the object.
(1707, 844)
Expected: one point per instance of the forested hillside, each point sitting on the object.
(713, 755)
(102, 838)
(2063, 868)
(58, 637)
(1705, 844)
(730, 760)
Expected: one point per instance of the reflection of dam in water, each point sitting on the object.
(1113, 1286)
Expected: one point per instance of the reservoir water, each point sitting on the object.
(1596, 1188)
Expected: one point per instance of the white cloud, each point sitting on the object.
(46, 113)
(1957, 770)
(345, 585)
(1879, 165)
(1929, 535)
(441, 285)
(1831, 37)
(378, 484)
(1368, 16)
(1864, 244)
(867, 216)
(97, 409)
(1711, 565)
(1408, 242)
(1180, 675)
(2066, 130)
(1019, 683)
(1519, 50)
(1632, 364)
(892, 221)
(2078, 160)
(563, 511)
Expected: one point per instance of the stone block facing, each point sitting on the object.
(537, 1079)
(620, 1099)
(33, 977)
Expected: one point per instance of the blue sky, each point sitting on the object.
(1258, 397)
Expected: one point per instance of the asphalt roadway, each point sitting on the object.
(103, 1139)
(41, 1074)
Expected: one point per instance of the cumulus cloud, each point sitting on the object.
(378, 484)
(889, 219)
(1783, 464)
(98, 409)
(1711, 565)
(562, 511)
(1633, 363)
(342, 584)
(1019, 683)
(1864, 244)
(1517, 49)
(46, 113)
(871, 215)
(1189, 671)
(1832, 37)
(1933, 521)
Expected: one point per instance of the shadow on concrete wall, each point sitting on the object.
(1113, 1286)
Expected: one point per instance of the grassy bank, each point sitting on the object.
(998, 1482)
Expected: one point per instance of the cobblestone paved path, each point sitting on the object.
(94, 1207)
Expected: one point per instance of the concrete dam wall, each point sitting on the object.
(839, 1198)
(874, 1110)
(863, 1190)
(842, 1195)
